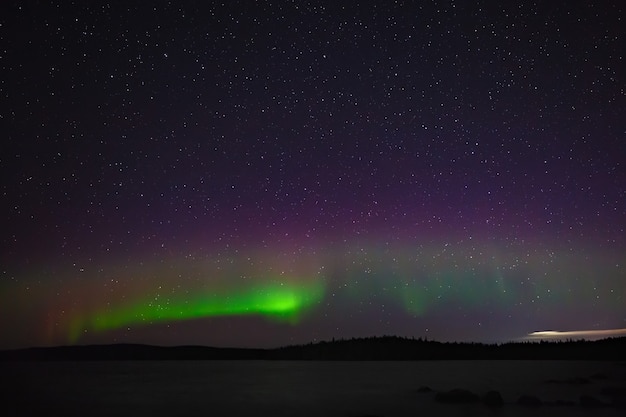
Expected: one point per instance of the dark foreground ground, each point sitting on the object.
(385, 376)
(313, 388)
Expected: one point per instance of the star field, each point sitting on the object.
(266, 173)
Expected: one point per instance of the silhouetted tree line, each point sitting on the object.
(399, 348)
(387, 348)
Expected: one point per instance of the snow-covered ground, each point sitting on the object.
(291, 388)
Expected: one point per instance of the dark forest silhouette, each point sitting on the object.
(373, 348)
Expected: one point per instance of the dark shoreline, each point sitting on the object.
(387, 348)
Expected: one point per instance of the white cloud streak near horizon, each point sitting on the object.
(589, 334)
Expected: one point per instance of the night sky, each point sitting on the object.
(271, 173)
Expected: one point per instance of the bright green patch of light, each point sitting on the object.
(285, 301)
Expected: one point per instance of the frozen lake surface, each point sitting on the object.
(293, 388)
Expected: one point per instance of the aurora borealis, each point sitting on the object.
(274, 301)
(262, 174)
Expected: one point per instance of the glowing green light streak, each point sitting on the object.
(284, 302)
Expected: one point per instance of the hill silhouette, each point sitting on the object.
(388, 348)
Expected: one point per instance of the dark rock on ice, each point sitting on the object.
(563, 403)
(588, 401)
(529, 401)
(457, 396)
(493, 399)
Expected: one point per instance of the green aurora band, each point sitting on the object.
(356, 279)
(283, 302)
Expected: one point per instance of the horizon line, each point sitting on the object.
(533, 336)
